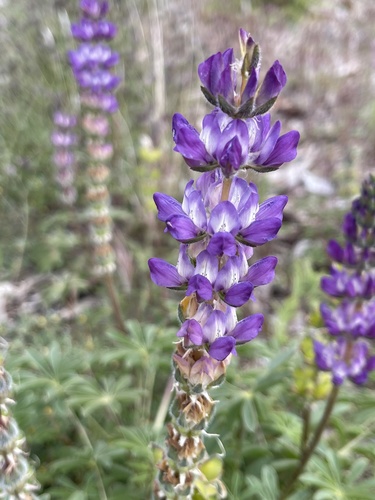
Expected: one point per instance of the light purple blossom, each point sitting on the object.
(353, 281)
(345, 359)
(240, 219)
(233, 144)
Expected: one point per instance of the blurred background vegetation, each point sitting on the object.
(87, 396)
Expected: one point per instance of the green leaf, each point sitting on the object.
(249, 415)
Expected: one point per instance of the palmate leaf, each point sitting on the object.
(138, 348)
(327, 475)
(267, 487)
(88, 394)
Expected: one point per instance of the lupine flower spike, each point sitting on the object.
(17, 479)
(92, 63)
(217, 226)
(351, 321)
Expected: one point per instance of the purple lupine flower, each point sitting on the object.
(217, 270)
(352, 281)
(240, 219)
(233, 85)
(356, 318)
(345, 359)
(233, 283)
(90, 55)
(94, 9)
(233, 144)
(220, 330)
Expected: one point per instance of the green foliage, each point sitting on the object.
(89, 398)
(88, 412)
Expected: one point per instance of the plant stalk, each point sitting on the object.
(309, 450)
(114, 302)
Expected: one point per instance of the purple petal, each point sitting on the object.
(230, 273)
(239, 294)
(207, 265)
(191, 330)
(188, 142)
(222, 347)
(273, 83)
(238, 149)
(211, 73)
(349, 226)
(261, 231)
(251, 86)
(211, 132)
(202, 286)
(215, 326)
(262, 272)
(248, 328)
(182, 228)
(164, 274)
(339, 372)
(273, 207)
(222, 243)
(167, 206)
(224, 218)
(285, 149)
(269, 143)
(184, 267)
(335, 251)
(194, 206)
(231, 159)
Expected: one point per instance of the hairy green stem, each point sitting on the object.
(309, 450)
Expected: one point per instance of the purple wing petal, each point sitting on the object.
(222, 243)
(248, 328)
(262, 272)
(164, 274)
(335, 251)
(239, 294)
(285, 149)
(273, 207)
(269, 144)
(188, 142)
(192, 331)
(222, 347)
(261, 231)
(202, 286)
(182, 228)
(167, 206)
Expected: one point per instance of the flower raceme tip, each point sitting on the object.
(233, 85)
